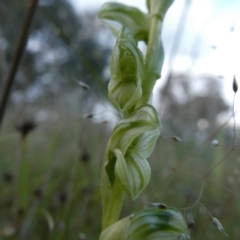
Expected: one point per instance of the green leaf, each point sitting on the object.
(132, 173)
(149, 224)
(117, 231)
(115, 15)
(126, 68)
(155, 223)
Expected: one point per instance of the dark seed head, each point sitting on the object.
(8, 204)
(162, 206)
(235, 85)
(38, 193)
(26, 127)
(85, 157)
(7, 177)
(89, 116)
(63, 197)
(191, 225)
(20, 212)
(176, 139)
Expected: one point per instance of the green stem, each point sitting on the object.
(112, 199)
(24, 174)
(155, 53)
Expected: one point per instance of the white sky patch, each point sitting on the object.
(94, 5)
(182, 63)
(34, 45)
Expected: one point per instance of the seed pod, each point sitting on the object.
(176, 139)
(191, 225)
(89, 115)
(214, 143)
(85, 157)
(7, 177)
(162, 206)
(235, 85)
(83, 85)
(217, 223)
(38, 193)
(62, 196)
(26, 127)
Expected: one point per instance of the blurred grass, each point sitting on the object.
(63, 157)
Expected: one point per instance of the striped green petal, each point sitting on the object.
(158, 224)
(125, 88)
(115, 15)
(136, 130)
(135, 137)
(133, 174)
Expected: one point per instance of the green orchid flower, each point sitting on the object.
(125, 86)
(132, 142)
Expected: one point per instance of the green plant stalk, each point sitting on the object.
(114, 199)
(140, 127)
(23, 174)
(155, 49)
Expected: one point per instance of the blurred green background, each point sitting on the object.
(56, 129)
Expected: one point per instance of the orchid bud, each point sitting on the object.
(125, 86)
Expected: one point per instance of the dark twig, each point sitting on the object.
(17, 57)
